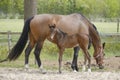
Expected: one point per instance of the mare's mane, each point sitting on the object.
(92, 29)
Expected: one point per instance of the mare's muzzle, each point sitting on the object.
(101, 66)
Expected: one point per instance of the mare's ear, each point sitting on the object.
(103, 45)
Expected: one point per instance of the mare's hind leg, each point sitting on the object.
(74, 61)
(28, 50)
(37, 54)
(27, 53)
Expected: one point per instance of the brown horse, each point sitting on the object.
(37, 29)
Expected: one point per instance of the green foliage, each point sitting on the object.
(11, 8)
(90, 8)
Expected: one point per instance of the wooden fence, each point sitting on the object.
(9, 36)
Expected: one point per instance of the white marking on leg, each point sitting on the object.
(42, 70)
(26, 67)
(74, 71)
(84, 68)
(89, 70)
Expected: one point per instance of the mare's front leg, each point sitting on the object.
(37, 55)
(87, 57)
(27, 53)
(61, 50)
(74, 61)
(83, 43)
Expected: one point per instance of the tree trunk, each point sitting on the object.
(30, 8)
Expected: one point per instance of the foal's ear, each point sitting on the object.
(52, 26)
(103, 45)
(49, 25)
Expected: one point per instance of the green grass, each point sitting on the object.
(50, 51)
(106, 27)
(14, 25)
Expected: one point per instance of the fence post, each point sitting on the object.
(9, 41)
(117, 25)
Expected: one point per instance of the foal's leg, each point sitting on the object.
(27, 53)
(60, 59)
(75, 56)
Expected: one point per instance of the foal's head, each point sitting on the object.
(100, 56)
(53, 30)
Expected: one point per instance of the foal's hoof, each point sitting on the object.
(101, 67)
(60, 72)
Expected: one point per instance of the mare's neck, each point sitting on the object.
(96, 46)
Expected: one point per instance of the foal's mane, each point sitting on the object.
(60, 34)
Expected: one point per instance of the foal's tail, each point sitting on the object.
(20, 45)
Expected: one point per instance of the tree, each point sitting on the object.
(30, 8)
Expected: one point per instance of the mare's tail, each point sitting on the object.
(20, 45)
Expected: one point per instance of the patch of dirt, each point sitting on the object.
(111, 72)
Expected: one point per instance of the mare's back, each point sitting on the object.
(73, 24)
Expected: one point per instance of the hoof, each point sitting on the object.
(74, 68)
(83, 68)
(26, 67)
(60, 72)
(43, 71)
(74, 71)
(89, 70)
(101, 67)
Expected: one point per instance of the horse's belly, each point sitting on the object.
(71, 46)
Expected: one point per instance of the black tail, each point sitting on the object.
(20, 45)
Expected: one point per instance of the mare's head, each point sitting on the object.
(99, 56)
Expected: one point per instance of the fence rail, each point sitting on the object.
(9, 32)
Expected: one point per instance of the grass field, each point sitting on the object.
(106, 27)
(16, 25)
